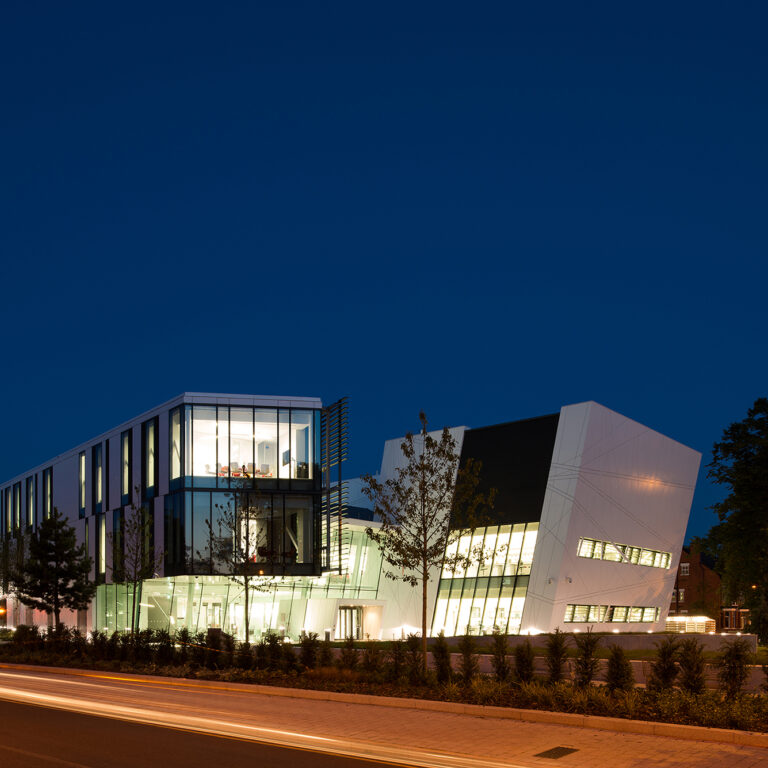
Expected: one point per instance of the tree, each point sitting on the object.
(234, 550)
(136, 557)
(740, 540)
(425, 509)
(55, 573)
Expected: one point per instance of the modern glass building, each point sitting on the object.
(590, 514)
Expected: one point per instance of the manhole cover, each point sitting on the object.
(556, 752)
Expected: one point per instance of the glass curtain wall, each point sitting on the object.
(275, 605)
(229, 447)
(490, 594)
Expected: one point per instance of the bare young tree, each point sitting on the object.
(135, 556)
(425, 509)
(234, 543)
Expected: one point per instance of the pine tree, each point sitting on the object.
(55, 572)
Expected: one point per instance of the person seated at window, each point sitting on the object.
(244, 471)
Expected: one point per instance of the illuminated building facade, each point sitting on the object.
(587, 528)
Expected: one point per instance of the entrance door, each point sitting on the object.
(350, 622)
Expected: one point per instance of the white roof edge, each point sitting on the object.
(634, 421)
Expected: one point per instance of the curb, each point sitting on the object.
(595, 722)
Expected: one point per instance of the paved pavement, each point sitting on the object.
(403, 736)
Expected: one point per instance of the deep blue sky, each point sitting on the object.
(483, 210)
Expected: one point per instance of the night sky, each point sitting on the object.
(485, 211)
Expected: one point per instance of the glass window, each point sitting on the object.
(487, 553)
(8, 512)
(529, 544)
(612, 553)
(298, 530)
(81, 483)
(223, 475)
(646, 557)
(205, 468)
(102, 558)
(47, 492)
(301, 445)
(188, 442)
(126, 449)
(635, 614)
(515, 547)
(149, 463)
(97, 472)
(265, 432)
(501, 549)
(174, 446)
(649, 614)
(241, 460)
(30, 502)
(17, 506)
(685, 569)
(619, 613)
(586, 547)
(201, 518)
(284, 445)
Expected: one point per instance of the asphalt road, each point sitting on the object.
(38, 737)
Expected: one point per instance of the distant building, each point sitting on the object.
(697, 589)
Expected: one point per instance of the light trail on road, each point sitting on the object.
(60, 691)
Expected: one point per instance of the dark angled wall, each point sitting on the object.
(515, 460)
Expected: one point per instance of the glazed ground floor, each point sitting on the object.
(287, 607)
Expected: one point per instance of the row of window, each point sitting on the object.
(613, 614)
(622, 553)
(18, 504)
(504, 550)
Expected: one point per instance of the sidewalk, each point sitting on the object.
(418, 732)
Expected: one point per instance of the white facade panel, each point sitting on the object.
(616, 481)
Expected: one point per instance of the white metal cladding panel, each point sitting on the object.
(615, 480)
(65, 487)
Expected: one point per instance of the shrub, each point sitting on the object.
(664, 666)
(691, 658)
(99, 645)
(441, 656)
(274, 651)
(468, 662)
(183, 640)
(414, 659)
(348, 657)
(619, 675)
(371, 661)
(325, 655)
(733, 663)
(499, 653)
(244, 658)
(396, 661)
(163, 648)
(27, 635)
(310, 646)
(524, 662)
(587, 663)
(290, 662)
(557, 655)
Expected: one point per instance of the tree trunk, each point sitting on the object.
(133, 610)
(424, 587)
(247, 634)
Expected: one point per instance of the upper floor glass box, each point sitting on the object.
(241, 447)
